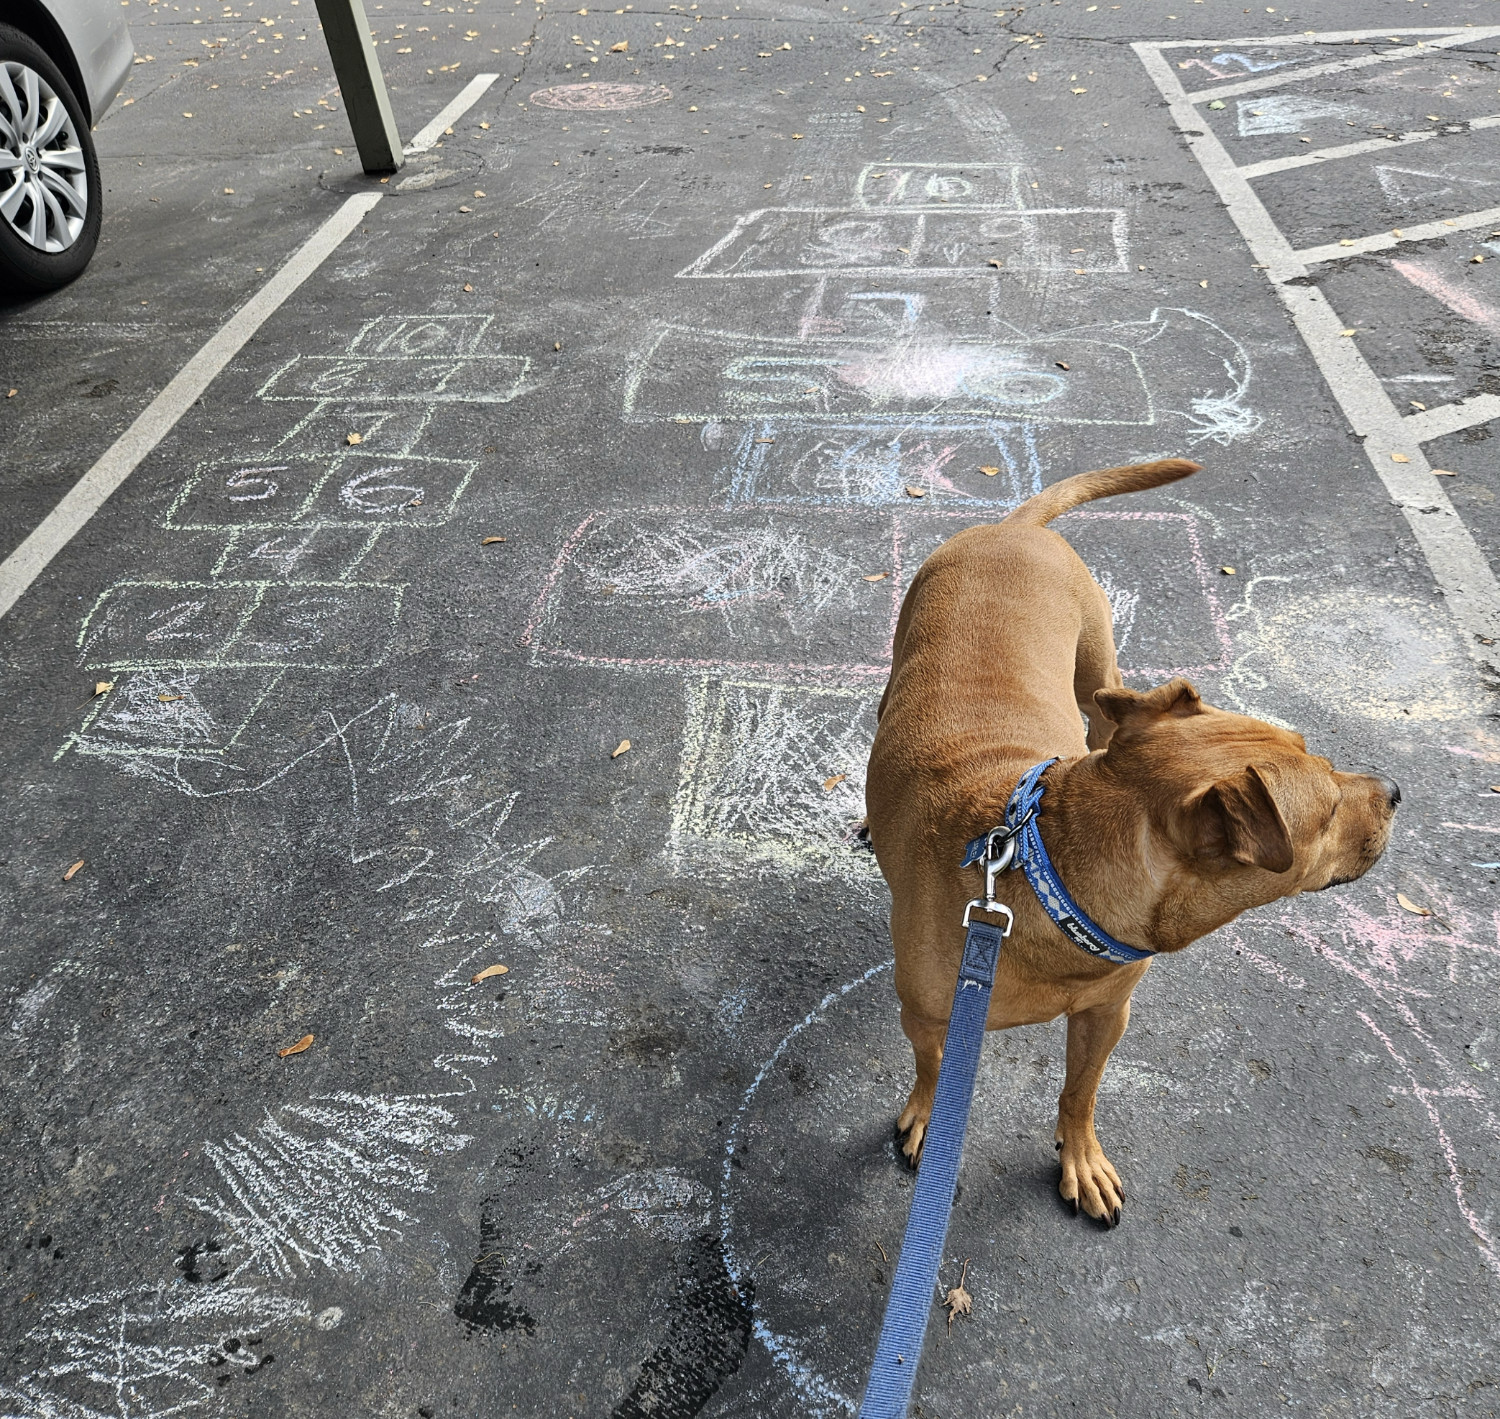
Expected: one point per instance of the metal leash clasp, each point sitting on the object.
(995, 861)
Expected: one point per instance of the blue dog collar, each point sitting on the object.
(1031, 857)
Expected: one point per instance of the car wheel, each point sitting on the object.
(49, 174)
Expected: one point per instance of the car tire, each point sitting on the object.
(50, 205)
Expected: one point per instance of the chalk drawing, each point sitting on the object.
(1230, 65)
(146, 1352)
(1291, 113)
(787, 461)
(694, 375)
(490, 379)
(601, 96)
(947, 241)
(1462, 303)
(176, 625)
(692, 589)
(1380, 655)
(750, 794)
(350, 489)
(932, 186)
(1403, 185)
(321, 1184)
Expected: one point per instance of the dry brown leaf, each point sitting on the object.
(1411, 906)
(103, 687)
(1444, 473)
(490, 541)
(354, 438)
(958, 1300)
(169, 699)
(1227, 571)
(989, 470)
(915, 492)
(1399, 458)
(305, 1043)
(994, 262)
(622, 748)
(1495, 788)
(72, 872)
(489, 971)
(622, 48)
(467, 287)
(833, 782)
(877, 576)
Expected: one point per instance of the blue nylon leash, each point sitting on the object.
(1017, 843)
(910, 1304)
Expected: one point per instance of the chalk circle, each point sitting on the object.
(601, 96)
(811, 1185)
(329, 1319)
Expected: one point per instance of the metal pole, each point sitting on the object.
(361, 83)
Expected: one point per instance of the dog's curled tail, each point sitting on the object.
(1102, 483)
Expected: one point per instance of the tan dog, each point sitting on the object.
(1165, 822)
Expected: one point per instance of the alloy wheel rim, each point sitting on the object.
(44, 184)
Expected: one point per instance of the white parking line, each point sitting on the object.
(1391, 442)
(1453, 418)
(1369, 145)
(1383, 241)
(157, 419)
(466, 98)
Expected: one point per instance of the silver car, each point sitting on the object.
(62, 63)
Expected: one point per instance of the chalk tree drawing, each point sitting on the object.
(750, 788)
(145, 1352)
(320, 1184)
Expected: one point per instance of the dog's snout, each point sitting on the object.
(1391, 788)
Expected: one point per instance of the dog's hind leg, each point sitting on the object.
(1095, 666)
(926, 1038)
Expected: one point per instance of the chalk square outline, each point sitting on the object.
(636, 372)
(741, 473)
(303, 518)
(440, 395)
(698, 269)
(1014, 169)
(259, 591)
(795, 672)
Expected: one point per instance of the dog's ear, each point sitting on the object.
(1238, 818)
(1177, 698)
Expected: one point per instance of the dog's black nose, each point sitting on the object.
(1391, 787)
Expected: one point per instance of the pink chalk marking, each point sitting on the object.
(1450, 1156)
(1473, 309)
(1473, 754)
(1274, 969)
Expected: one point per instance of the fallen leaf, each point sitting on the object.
(1411, 906)
(1032, 78)
(1080, 91)
(1346, 241)
(168, 699)
(622, 48)
(229, 192)
(915, 492)
(796, 135)
(557, 344)
(622, 748)
(1227, 571)
(989, 471)
(1060, 365)
(783, 46)
(354, 438)
(477, 193)
(1347, 333)
(828, 783)
(1399, 458)
(958, 1300)
(1475, 260)
(11, 393)
(1444, 473)
(1495, 788)
(1204, 284)
(1415, 404)
(72, 872)
(877, 576)
(763, 440)
(305, 1043)
(994, 262)
(489, 971)
(490, 541)
(1217, 103)
(103, 687)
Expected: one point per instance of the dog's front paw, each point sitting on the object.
(1089, 1179)
(911, 1129)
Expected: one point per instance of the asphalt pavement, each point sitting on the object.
(519, 596)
